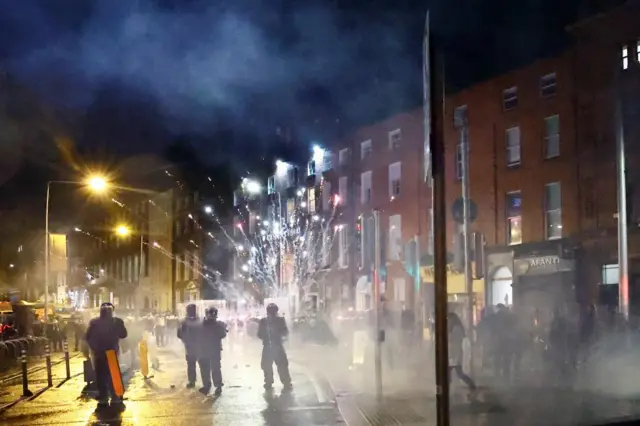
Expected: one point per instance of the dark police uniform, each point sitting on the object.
(272, 330)
(104, 334)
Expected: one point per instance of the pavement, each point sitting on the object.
(409, 398)
(163, 399)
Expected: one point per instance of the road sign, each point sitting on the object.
(458, 210)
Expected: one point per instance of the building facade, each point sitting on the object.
(606, 56)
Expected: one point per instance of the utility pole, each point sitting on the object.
(466, 199)
(623, 255)
(377, 301)
(434, 149)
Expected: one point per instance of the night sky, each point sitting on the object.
(136, 73)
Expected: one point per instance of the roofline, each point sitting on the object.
(585, 21)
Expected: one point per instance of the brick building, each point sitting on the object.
(523, 179)
(607, 47)
(378, 167)
(542, 174)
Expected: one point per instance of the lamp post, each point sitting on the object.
(96, 184)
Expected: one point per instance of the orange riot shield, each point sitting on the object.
(116, 375)
(144, 358)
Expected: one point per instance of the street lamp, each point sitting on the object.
(123, 231)
(95, 183)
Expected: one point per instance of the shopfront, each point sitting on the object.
(543, 283)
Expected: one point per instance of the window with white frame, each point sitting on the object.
(311, 168)
(552, 136)
(395, 139)
(548, 85)
(343, 157)
(326, 196)
(343, 190)
(510, 98)
(458, 165)
(311, 199)
(271, 185)
(395, 237)
(513, 204)
(343, 251)
(366, 148)
(513, 146)
(365, 187)
(395, 179)
(553, 210)
(625, 57)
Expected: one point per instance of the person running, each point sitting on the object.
(456, 353)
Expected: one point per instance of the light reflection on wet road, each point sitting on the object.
(163, 400)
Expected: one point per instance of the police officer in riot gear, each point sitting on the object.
(104, 334)
(272, 330)
(213, 331)
(190, 331)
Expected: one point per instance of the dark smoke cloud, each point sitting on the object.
(203, 55)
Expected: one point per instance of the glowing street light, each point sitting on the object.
(97, 183)
(208, 209)
(123, 231)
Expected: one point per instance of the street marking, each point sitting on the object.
(314, 383)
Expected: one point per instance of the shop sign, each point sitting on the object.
(541, 262)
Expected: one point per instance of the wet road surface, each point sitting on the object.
(163, 399)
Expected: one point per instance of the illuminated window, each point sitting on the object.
(514, 217)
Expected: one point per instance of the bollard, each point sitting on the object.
(66, 359)
(25, 379)
(47, 354)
